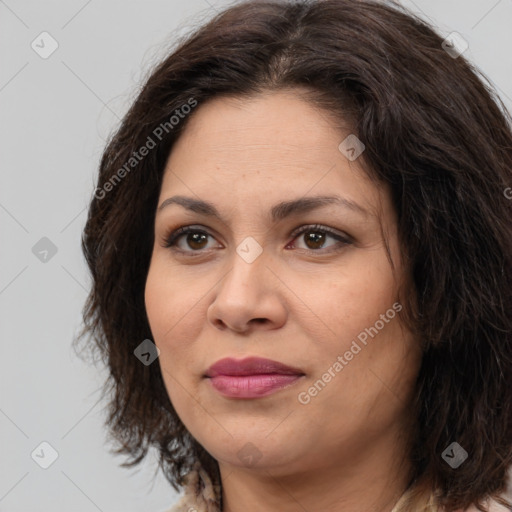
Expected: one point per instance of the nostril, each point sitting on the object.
(220, 324)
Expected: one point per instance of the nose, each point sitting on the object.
(249, 297)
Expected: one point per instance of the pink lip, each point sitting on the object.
(251, 377)
(251, 386)
(250, 366)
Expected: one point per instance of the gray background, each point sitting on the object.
(55, 116)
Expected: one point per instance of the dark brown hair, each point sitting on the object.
(433, 130)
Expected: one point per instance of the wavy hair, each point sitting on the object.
(434, 129)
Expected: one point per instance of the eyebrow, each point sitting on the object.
(278, 212)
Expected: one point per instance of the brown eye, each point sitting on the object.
(190, 239)
(315, 237)
(187, 239)
(196, 240)
(314, 240)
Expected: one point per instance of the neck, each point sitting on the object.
(370, 481)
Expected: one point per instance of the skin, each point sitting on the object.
(298, 303)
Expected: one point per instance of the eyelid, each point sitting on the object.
(173, 235)
(320, 227)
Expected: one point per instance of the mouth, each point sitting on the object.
(252, 377)
(251, 386)
(250, 366)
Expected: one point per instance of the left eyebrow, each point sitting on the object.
(278, 212)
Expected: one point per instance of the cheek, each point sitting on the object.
(358, 306)
(351, 297)
(170, 298)
(169, 316)
(172, 308)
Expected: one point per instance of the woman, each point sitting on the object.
(301, 250)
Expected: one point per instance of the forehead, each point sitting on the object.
(266, 123)
(265, 146)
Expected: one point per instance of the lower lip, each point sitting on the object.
(251, 386)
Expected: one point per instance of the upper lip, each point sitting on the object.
(250, 366)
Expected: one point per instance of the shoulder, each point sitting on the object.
(492, 506)
(190, 504)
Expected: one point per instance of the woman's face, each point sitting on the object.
(247, 283)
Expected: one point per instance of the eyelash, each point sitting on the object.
(172, 238)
